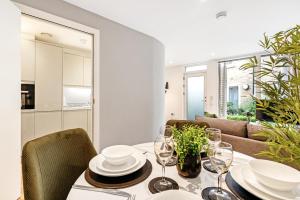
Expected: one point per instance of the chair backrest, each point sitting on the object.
(51, 164)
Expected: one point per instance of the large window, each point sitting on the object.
(236, 90)
(237, 86)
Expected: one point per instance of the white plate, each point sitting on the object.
(174, 195)
(275, 175)
(249, 177)
(117, 154)
(236, 173)
(132, 161)
(93, 166)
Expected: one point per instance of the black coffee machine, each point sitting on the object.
(27, 96)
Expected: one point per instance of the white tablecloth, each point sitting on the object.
(205, 179)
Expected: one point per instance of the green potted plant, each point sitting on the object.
(278, 79)
(189, 142)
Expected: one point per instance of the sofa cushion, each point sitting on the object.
(245, 145)
(230, 127)
(252, 129)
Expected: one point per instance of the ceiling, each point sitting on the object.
(55, 33)
(189, 28)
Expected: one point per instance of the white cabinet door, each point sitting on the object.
(90, 123)
(47, 122)
(27, 127)
(73, 69)
(27, 60)
(75, 119)
(48, 84)
(88, 72)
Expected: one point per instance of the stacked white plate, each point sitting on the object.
(117, 161)
(248, 179)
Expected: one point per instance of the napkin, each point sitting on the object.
(78, 194)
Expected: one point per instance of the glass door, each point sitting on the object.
(195, 95)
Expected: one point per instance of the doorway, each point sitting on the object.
(234, 96)
(195, 95)
(69, 84)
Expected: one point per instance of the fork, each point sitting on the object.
(132, 197)
(107, 191)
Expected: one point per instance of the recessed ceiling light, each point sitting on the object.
(221, 15)
(212, 54)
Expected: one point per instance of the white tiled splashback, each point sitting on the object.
(77, 96)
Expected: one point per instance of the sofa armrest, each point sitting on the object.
(245, 145)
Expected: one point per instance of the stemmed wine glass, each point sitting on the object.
(214, 139)
(214, 136)
(221, 157)
(163, 148)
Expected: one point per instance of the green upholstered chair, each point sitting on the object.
(51, 164)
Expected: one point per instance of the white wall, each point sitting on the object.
(174, 99)
(10, 108)
(158, 76)
(212, 87)
(131, 73)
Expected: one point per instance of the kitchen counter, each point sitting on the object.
(64, 109)
(27, 110)
(77, 108)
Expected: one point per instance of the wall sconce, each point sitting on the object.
(166, 87)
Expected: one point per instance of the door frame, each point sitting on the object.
(96, 59)
(185, 85)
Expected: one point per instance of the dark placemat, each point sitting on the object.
(208, 166)
(152, 188)
(172, 161)
(121, 181)
(238, 190)
(205, 193)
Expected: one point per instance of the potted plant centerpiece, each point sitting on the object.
(189, 142)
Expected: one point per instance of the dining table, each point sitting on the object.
(141, 191)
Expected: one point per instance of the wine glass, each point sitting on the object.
(214, 139)
(214, 136)
(163, 148)
(221, 157)
(167, 130)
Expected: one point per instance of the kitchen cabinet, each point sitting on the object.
(73, 67)
(27, 127)
(87, 72)
(47, 122)
(90, 123)
(48, 84)
(27, 60)
(75, 119)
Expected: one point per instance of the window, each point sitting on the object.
(196, 68)
(236, 88)
(234, 96)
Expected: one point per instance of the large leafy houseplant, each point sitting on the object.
(189, 142)
(278, 79)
